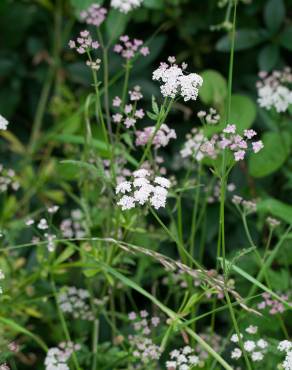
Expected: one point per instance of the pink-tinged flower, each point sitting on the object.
(139, 113)
(249, 133)
(257, 146)
(128, 108)
(161, 138)
(239, 155)
(117, 102)
(95, 45)
(145, 51)
(117, 118)
(72, 44)
(128, 49)
(129, 122)
(94, 15)
(83, 43)
(230, 129)
(135, 94)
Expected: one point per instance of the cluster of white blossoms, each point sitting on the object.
(140, 191)
(255, 348)
(286, 347)
(160, 138)
(74, 227)
(274, 90)
(125, 6)
(57, 357)
(75, 302)
(175, 82)
(8, 180)
(2, 276)
(3, 123)
(142, 346)
(182, 359)
(195, 141)
(212, 117)
(246, 206)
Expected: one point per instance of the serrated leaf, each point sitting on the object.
(271, 157)
(274, 14)
(152, 116)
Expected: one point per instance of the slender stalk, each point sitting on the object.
(63, 323)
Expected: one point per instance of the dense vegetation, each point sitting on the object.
(145, 184)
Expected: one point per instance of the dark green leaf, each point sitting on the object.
(116, 23)
(275, 208)
(274, 14)
(286, 38)
(244, 39)
(268, 57)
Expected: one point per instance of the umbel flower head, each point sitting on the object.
(94, 14)
(140, 191)
(125, 6)
(160, 139)
(274, 90)
(84, 43)
(175, 82)
(3, 123)
(129, 48)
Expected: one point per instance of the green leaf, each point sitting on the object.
(275, 208)
(271, 157)
(274, 14)
(116, 24)
(244, 39)
(286, 38)
(153, 4)
(214, 89)
(268, 57)
(66, 253)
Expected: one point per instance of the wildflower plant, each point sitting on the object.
(124, 205)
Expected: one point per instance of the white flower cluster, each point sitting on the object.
(256, 349)
(142, 191)
(286, 346)
(143, 348)
(8, 180)
(182, 359)
(193, 145)
(2, 276)
(175, 82)
(4, 366)
(125, 6)
(3, 123)
(212, 117)
(274, 90)
(74, 301)
(73, 227)
(247, 206)
(57, 357)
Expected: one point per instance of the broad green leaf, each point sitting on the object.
(153, 4)
(214, 89)
(244, 39)
(274, 14)
(116, 24)
(271, 157)
(286, 38)
(275, 208)
(268, 57)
